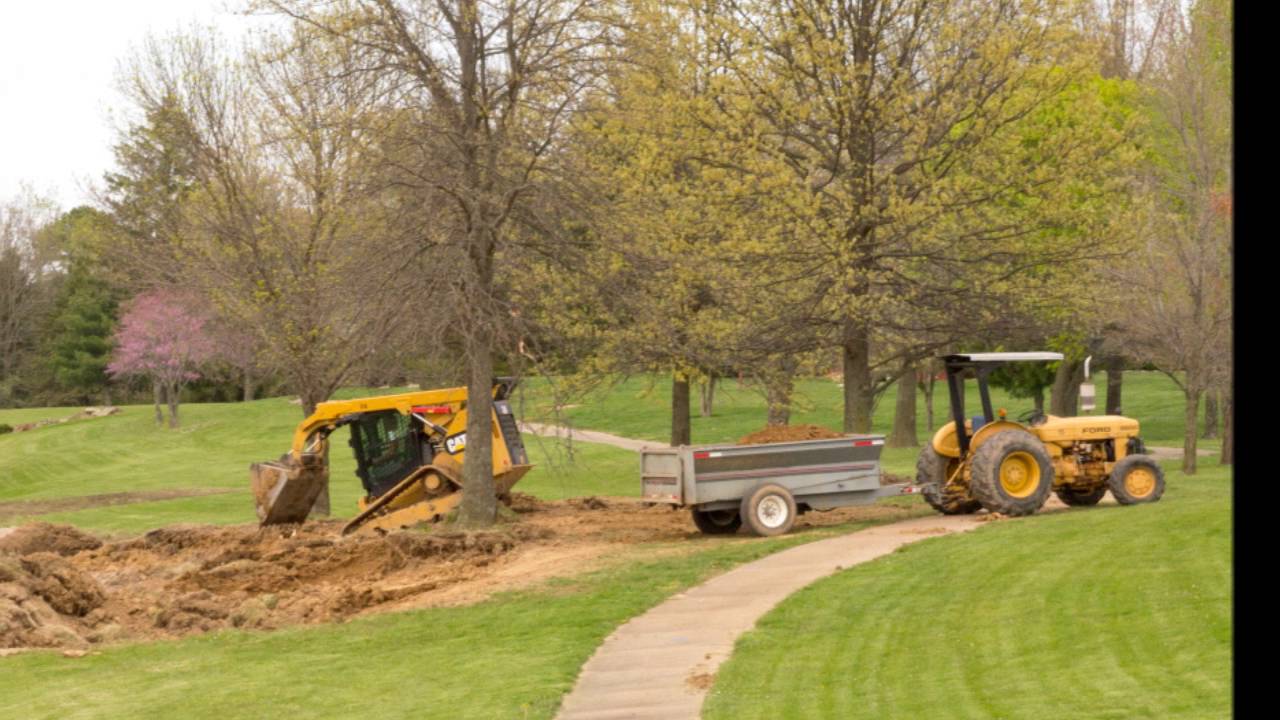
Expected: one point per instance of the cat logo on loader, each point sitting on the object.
(1011, 467)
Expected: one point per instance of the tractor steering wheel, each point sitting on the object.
(1032, 417)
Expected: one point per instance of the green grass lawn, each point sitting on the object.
(639, 407)
(1111, 612)
(213, 449)
(513, 656)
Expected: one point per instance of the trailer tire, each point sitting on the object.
(1011, 473)
(768, 510)
(931, 476)
(717, 522)
(1136, 479)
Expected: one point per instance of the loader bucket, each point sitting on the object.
(503, 482)
(284, 491)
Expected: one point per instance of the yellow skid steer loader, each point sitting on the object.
(409, 451)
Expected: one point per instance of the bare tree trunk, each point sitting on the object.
(1228, 431)
(479, 501)
(708, 393)
(779, 387)
(1115, 385)
(158, 391)
(857, 378)
(1064, 397)
(248, 385)
(681, 432)
(1038, 399)
(1190, 434)
(1210, 415)
(927, 387)
(904, 414)
(172, 396)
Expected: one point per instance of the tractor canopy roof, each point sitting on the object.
(1001, 357)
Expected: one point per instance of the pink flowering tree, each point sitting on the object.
(166, 337)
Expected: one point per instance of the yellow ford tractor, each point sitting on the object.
(991, 462)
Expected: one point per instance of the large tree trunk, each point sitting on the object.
(1115, 385)
(857, 378)
(248, 385)
(1192, 416)
(1038, 399)
(1064, 397)
(158, 391)
(779, 386)
(681, 431)
(708, 395)
(1228, 431)
(479, 501)
(1210, 415)
(904, 413)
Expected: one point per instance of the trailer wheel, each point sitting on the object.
(769, 510)
(1012, 473)
(717, 522)
(1136, 479)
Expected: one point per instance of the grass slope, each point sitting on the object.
(640, 407)
(1113, 612)
(213, 449)
(511, 657)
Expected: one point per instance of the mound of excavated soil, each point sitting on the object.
(788, 433)
(46, 537)
(188, 579)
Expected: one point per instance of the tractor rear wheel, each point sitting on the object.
(1012, 473)
(1136, 479)
(717, 522)
(1071, 496)
(932, 471)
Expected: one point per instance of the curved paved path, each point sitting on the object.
(659, 665)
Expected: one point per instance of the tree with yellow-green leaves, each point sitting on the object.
(922, 157)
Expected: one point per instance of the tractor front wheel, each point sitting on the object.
(1136, 479)
(1012, 473)
(932, 471)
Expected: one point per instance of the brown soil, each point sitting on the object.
(788, 433)
(62, 588)
(19, 508)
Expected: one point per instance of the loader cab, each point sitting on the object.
(388, 447)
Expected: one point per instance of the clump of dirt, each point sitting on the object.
(788, 433)
(589, 503)
(47, 537)
(45, 601)
(891, 479)
(701, 681)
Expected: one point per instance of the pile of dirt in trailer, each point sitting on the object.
(788, 433)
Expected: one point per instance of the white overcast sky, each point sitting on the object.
(58, 97)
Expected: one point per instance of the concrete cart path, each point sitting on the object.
(594, 436)
(661, 664)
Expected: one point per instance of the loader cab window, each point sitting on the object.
(387, 449)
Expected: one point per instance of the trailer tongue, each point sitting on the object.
(765, 486)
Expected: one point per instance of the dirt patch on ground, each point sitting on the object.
(60, 587)
(788, 433)
(43, 537)
(19, 508)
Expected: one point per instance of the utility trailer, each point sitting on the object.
(766, 486)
